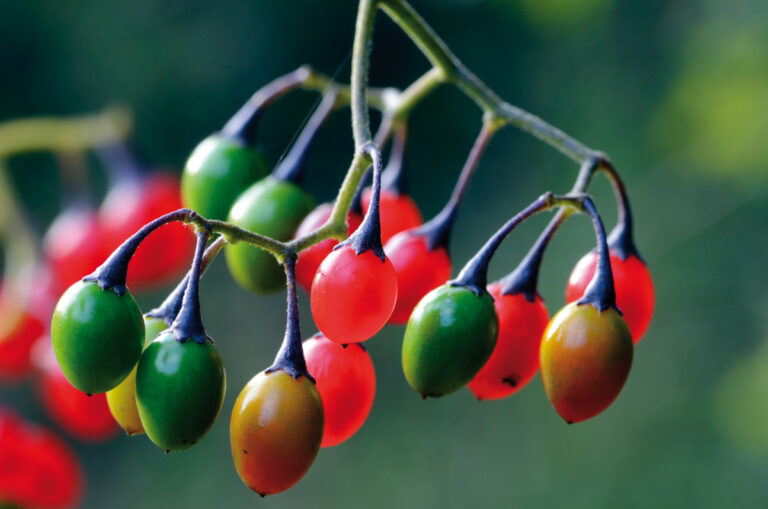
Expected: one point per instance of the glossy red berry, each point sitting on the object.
(311, 258)
(86, 418)
(419, 270)
(398, 212)
(74, 245)
(353, 295)
(165, 254)
(633, 283)
(346, 381)
(16, 346)
(515, 358)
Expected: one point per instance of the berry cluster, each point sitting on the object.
(366, 260)
(39, 268)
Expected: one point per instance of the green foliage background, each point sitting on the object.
(676, 92)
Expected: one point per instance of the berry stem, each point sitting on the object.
(367, 237)
(386, 127)
(361, 49)
(383, 99)
(454, 71)
(189, 322)
(291, 168)
(438, 229)
(290, 357)
(474, 275)
(621, 239)
(600, 292)
(75, 192)
(393, 177)
(169, 309)
(417, 91)
(113, 272)
(64, 134)
(120, 161)
(524, 279)
(357, 200)
(243, 125)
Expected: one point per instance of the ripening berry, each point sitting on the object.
(275, 431)
(346, 382)
(633, 283)
(585, 359)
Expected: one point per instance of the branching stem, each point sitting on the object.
(73, 134)
(395, 106)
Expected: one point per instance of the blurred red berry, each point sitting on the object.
(86, 418)
(37, 469)
(16, 346)
(74, 245)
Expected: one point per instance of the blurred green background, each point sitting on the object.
(676, 92)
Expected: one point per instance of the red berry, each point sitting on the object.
(13, 472)
(353, 295)
(165, 254)
(398, 212)
(515, 358)
(633, 283)
(87, 418)
(74, 245)
(16, 346)
(311, 258)
(419, 270)
(37, 469)
(347, 385)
